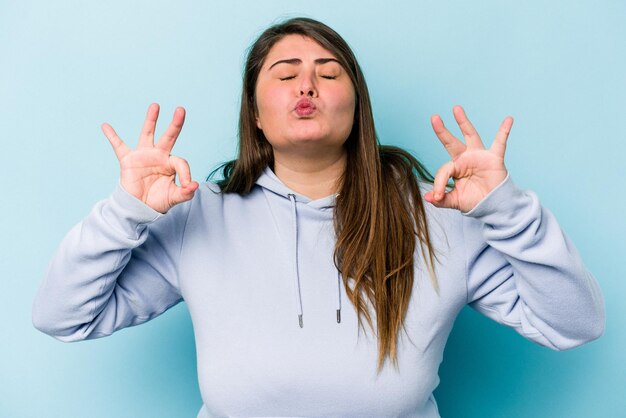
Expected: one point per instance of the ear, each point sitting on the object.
(258, 122)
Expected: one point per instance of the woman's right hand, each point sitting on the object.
(149, 171)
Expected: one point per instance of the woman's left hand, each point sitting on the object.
(475, 170)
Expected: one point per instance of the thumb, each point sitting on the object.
(182, 194)
(447, 201)
(187, 186)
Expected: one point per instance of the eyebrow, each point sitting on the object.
(296, 61)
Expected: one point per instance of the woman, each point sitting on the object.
(314, 211)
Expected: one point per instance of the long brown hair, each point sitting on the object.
(379, 216)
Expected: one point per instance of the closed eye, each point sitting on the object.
(329, 77)
(287, 78)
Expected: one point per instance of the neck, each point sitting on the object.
(313, 178)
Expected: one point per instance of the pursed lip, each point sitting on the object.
(305, 107)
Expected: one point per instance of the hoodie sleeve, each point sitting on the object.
(115, 269)
(524, 272)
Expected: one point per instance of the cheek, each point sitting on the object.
(346, 110)
(269, 102)
(346, 103)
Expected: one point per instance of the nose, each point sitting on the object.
(307, 85)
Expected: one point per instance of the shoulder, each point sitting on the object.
(445, 226)
(206, 196)
(210, 200)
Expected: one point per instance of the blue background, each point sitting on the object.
(67, 66)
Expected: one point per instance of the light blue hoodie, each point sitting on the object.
(253, 269)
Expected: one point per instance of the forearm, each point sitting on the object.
(82, 276)
(541, 285)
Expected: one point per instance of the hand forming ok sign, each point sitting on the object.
(148, 172)
(475, 170)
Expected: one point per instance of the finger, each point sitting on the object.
(119, 147)
(448, 201)
(472, 139)
(449, 141)
(183, 172)
(499, 144)
(442, 176)
(167, 140)
(187, 186)
(180, 194)
(146, 138)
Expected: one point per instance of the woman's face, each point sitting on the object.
(305, 99)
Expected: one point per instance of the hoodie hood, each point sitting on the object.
(270, 182)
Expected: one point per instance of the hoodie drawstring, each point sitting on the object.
(294, 222)
(296, 269)
(338, 296)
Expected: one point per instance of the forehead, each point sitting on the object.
(297, 46)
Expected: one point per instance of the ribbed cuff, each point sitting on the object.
(504, 203)
(130, 212)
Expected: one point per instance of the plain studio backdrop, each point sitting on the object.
(67, 66)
